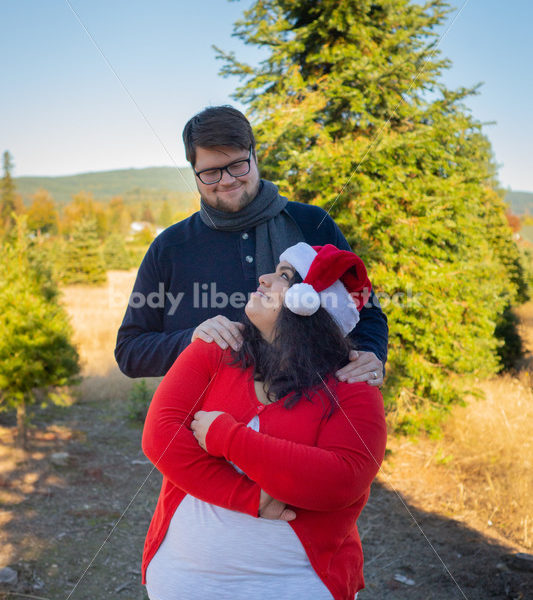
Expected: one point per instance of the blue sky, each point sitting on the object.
(63, 111)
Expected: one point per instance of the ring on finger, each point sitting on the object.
(374, 375)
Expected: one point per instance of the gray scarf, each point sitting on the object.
(275, 229)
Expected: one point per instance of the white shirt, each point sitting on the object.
(212, 553)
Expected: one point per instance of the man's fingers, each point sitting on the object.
(218, 333)
(198, 333)
(224, 331)
(362, 359)
(210, 334)
(370, 373)
(362, 365)
(368, 377)
(201, 333)
(375, 382)
(221, 330)
(233, 327)
(349, 371)
(358, 371)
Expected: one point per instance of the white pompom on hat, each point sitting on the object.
(332, 278)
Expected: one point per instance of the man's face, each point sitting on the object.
(230, 194)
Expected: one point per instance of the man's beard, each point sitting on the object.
(243, 201)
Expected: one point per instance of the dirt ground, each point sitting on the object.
(72, 525)
(76, 530)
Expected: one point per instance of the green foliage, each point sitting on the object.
(139, 400)
(42, 214)
(120, 216)
(146, 214)
(116, 255)
(507, 329)
(500, 234)
(349, 114)
(82, 261)
(35, 348)
(84, 208)
(144, 237)
(526, 258)
(165, 218)
(10, 202)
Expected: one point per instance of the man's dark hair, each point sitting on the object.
(305, 351)
(217, 126)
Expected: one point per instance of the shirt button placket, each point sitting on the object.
(248, 255)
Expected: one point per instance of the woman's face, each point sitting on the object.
(265, 304)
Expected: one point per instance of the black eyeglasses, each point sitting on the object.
(239, 168)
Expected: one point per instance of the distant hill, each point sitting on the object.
(106, 184)
(520, 203)
(155, 183)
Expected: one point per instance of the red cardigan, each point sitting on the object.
(321, 468)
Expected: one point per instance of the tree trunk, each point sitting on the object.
(21, 438)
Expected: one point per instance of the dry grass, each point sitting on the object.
(491, 456)
(96, 313)
(480, 471)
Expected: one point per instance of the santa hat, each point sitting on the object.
(332, 278)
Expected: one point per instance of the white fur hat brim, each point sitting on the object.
(335, 299)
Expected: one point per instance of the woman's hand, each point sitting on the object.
(270, 508)
(201, 423)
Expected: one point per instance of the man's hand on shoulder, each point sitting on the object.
(363, 366)
(221, 330)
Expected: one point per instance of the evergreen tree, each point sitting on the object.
(42, 214)
(120, 216)
(115, 253)
(85, 208)
(349, 114)
(10, 202)
(83, 262)
(35, 348)
(147, 214)
(165, 215)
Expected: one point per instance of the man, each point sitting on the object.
(197, 275)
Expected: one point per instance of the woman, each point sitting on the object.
(277, 436)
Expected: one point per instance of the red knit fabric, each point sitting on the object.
(332, 264)
(321, 468)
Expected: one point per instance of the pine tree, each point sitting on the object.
(85, 208)
(350, 114)
(35, 348)
(10, 202)
(115, 253)
(146, 214)
(119, 216)
(42, 214)
(165, 218)
(82, 261)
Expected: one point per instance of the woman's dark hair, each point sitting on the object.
(303, 353)
(217, 126)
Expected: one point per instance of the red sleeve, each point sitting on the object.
(170, 445)
(329, 476)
